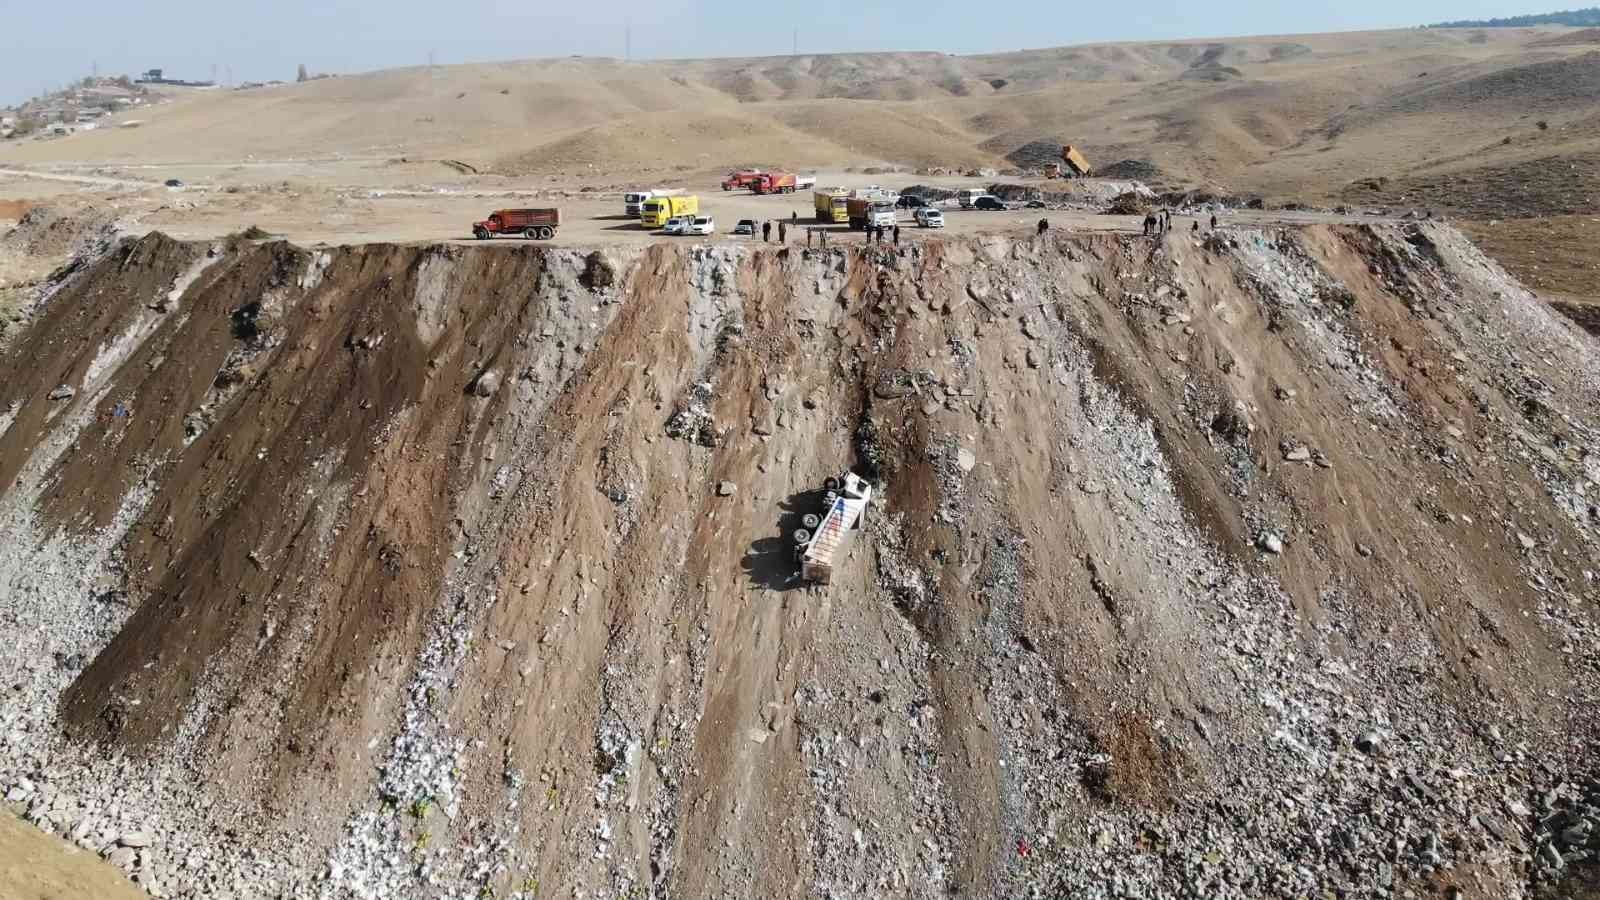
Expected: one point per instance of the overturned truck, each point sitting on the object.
(822, 537)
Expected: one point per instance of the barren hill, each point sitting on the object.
(1299, 117)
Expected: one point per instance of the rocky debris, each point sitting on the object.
(598, 272)
(1567, 830)
(487, 384)
(1296, 452)
(726, 488)
(692, 421)
(1271, 542)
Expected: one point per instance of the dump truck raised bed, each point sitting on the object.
(820, 542)
(657, 210)
(529, 223)
(830, 204)
(773, 183)
(1077, 164)
(865, 211)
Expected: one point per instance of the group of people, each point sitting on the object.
(1160, 222)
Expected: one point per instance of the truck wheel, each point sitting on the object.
(531, 233)
(800, 536)
(810, 521)
(546, 233)
(481, 234)
(726, 188)
(831, 484)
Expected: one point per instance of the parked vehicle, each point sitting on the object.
(967, 196)
(929, 217)
(745, 226)
(773, 183)
(831, 205)
(988, 202)
(633, 201)
(865, 211)
(657, 210)
(529, 223)
(805, 182)
(910, 201)
(740, 179)
(676, 225)
(702, 225)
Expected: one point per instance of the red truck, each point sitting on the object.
(740, 179)
(530, 223)
(773, 183)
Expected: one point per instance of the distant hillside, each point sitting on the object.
(1579, 18)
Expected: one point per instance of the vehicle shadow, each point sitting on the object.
(632, 225)
(770, 562)
(616, 218)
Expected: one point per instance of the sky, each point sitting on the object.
(48, 45)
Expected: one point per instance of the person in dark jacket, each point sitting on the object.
(766, 232)
(1044, 225)
(897, 234)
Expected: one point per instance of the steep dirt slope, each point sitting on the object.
(1255, 567)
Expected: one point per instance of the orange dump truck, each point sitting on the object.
(528, 223)
(740, 179)
(773, 183)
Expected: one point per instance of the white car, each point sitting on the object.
(928, 217)
(676, 225)
(702, 225)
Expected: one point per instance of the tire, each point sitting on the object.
(800, 536)
(831, 484)
(546, 232)
(811, 521)
(726, 188)
(531, 234)
(481, 234)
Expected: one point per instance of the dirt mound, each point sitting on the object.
(1563, 185)
(1136, 169)
(1550, 86)
(1036, 154)
(380, 561)
(1581, 36)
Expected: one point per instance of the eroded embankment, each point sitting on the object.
(1258, 566)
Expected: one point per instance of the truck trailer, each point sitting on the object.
(773, 183)
(657, 210)
(831, 205)
(529, 223)
(821, 540)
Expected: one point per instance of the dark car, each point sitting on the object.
(910, 201)
(173, 182)
(1036, 204)
(988, 202)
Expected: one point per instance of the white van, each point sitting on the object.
(969, 196)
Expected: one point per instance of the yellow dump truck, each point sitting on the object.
(1076, 164)
(832, 204)
(657, 210)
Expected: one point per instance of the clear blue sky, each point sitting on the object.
(51, 43)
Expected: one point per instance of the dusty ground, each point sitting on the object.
(37, 866)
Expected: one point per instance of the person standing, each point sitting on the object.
(766, 232)
(1044, 225)
(897, 234)
(810, 233)
(794, 217)
(1213, 221)
(783, 232)
(823, 234)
